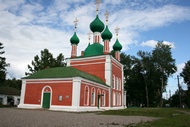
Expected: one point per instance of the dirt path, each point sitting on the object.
(186, 112)
(13, 117)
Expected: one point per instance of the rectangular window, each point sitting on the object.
(92, 99)
(103, 98)
(113, 82)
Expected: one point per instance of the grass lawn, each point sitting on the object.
(169, 117)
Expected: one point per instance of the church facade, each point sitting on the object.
(90, 82)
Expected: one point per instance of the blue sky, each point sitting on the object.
(29, 26)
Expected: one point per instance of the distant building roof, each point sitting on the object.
(5, 90)
(64, 72)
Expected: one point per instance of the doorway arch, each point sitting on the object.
(46, 97)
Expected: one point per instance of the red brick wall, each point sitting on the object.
(91, 66)
(33, 93)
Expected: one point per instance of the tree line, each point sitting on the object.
(145, 75)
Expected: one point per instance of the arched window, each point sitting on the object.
(116, 86)
(93, 96)
(99, 93)
(114, 102)
(113, 82)
(119, 86)
(116, 99)
(119, 99)
(86, 95)
(103, 98)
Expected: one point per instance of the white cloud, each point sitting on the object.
(152, 43)
(26, 29)
(180, 68)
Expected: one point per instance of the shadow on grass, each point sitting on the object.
(169, 117)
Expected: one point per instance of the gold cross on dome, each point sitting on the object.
(106, 15)
(75, 22)
(97, 5)
(117, 30)
(89, 35)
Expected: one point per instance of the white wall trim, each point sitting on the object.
(23, 89)
(76, 92)
(88, 64)
(29, 106)
(82, 108)
(90, 83)
(108, 68)
(90, 58)
(45, 80)
(42, 95)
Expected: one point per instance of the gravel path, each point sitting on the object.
(13, 117)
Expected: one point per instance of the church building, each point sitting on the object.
(91, 81)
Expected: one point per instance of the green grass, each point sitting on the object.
(169, 117)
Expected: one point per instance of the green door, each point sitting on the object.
(46, 100)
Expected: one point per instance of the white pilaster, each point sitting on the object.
(76, 92)
(108, 70)
(23, 90)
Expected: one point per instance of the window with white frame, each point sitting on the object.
(103, 98)
(116, 86)
(86, 95)
(99, 93)
(93, 96)
(119, 86)
(114, 98)
(119, 99)
(113, 82)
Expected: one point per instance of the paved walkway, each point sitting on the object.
(13, 117)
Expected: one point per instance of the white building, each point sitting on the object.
(9, 96)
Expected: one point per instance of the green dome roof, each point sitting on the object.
(117, 46)
(74, 39)
(97, 25)
(106, 35)
(94, 50)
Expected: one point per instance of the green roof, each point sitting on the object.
(117, 46)
(94, 50)
(5, 90)
(106, 35)
(97, 25)
(64, 72)
(74, 39)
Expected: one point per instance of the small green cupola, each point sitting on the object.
(117, 46)
(74, 39)
(97, 25)
(106, 35)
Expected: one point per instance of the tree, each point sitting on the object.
(164, 64)
(16, 83)
(45, 61)
(186, 73)
(3, 65)
(147, 75)
(146, 65)
(186, 77)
